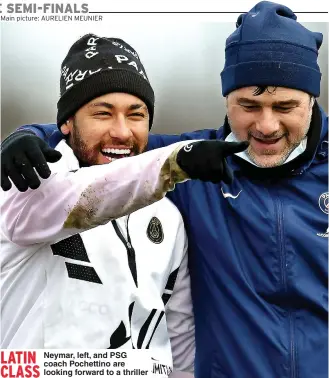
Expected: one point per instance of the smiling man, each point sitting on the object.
(93, 138)
(66, 283)
(275, 122)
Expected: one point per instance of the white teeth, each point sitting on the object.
(116, 151)
(110, 159)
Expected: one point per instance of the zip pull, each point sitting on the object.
(129, 248)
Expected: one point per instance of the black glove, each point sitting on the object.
(205, 160)
(20, 152)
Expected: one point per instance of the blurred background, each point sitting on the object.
(183, 62)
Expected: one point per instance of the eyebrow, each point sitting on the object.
(111, 106)
(137, 106)
(290, 102)
(103, 103)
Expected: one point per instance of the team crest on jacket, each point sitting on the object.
(324, 206)
(324, 202)
(154, 231)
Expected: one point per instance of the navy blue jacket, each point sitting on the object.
(258, 262)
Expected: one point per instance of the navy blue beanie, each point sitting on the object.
(270, 48)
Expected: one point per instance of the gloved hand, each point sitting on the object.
(205, 160)
(20, 152)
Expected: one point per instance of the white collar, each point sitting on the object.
(297, 151)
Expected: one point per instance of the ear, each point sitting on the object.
(66, 128)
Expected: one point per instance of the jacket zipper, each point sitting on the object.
(284, 284)
(292, 344)
(281, 247)
(130, 249)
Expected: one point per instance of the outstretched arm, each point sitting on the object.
(31, 146)
(71, 202)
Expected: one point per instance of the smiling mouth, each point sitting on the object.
(268, 141)
(113, 154)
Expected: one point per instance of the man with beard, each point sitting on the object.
(258, 246)
(77, 271)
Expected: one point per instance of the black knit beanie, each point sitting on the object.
(95, 66)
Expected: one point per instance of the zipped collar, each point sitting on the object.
(318, 132)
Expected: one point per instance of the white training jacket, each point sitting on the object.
(66, 283)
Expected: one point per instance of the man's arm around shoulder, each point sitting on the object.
(162, 140)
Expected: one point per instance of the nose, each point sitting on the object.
(267, 123)
(119, 129)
